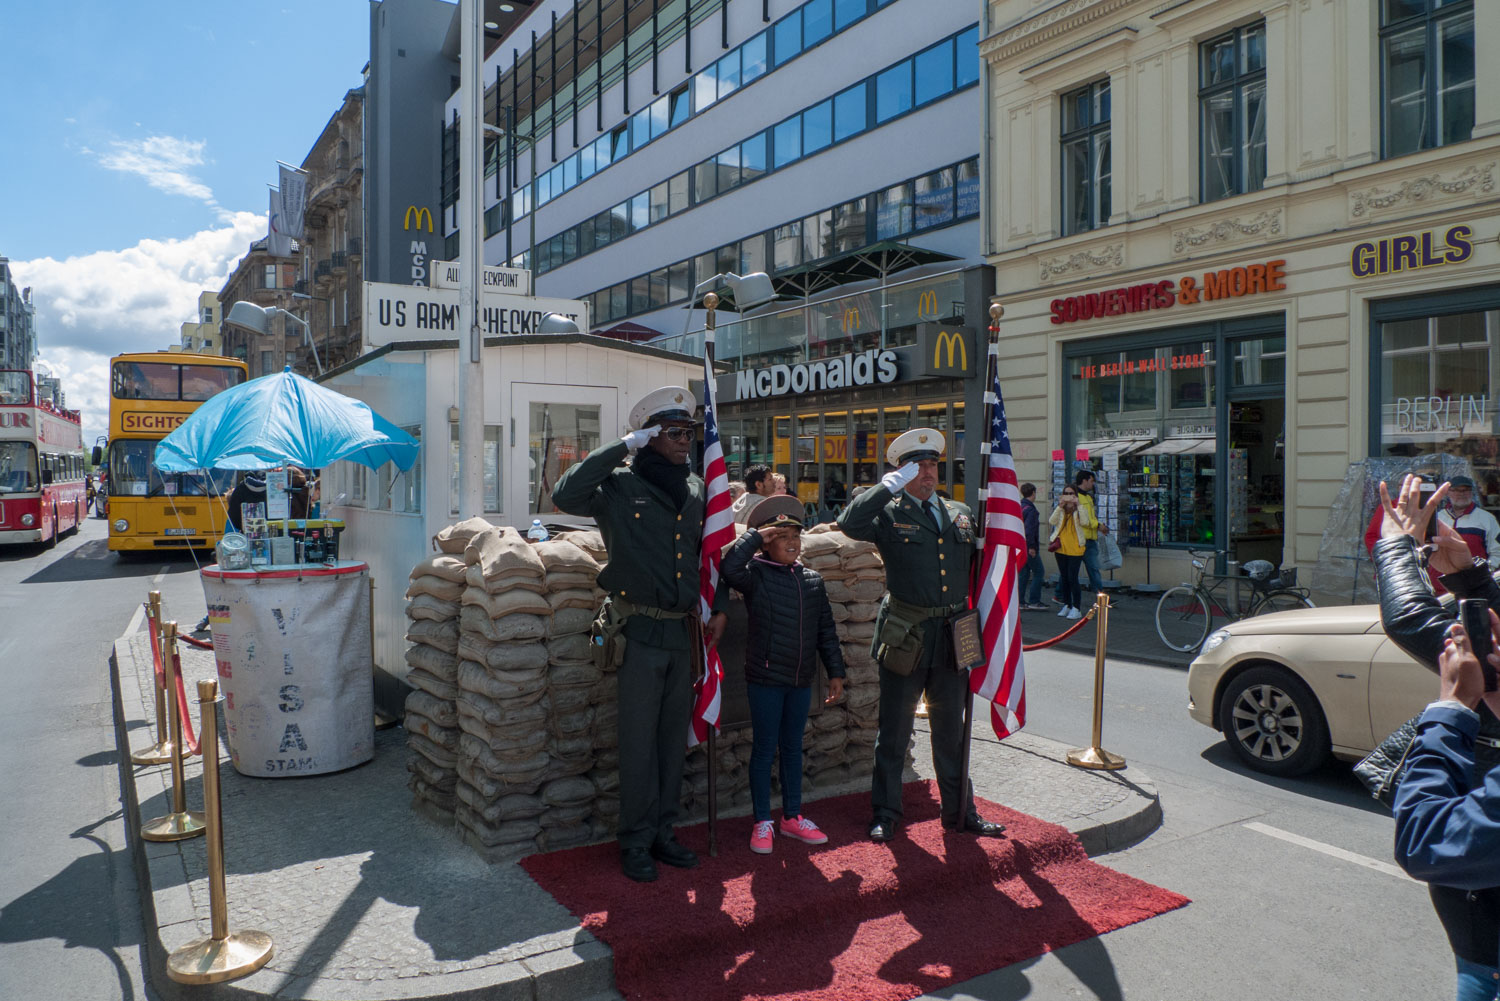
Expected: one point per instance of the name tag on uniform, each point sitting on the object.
(640, 501)
(906, 529)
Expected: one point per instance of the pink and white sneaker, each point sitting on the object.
(760, 837)
(803, 830)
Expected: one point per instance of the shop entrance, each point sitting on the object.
(1256, 485)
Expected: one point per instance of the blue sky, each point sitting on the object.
(140, 138)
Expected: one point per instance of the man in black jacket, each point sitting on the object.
(651, 516)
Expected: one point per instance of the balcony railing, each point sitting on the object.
(324, 270)
(356, 246)
(340, 261)
(300, 286)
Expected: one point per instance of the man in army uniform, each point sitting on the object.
(927, 544)
(651, 516)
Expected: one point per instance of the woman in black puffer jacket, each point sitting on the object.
(791, 625)
(1417, 622)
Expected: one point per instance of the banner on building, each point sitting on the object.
(293, 200)
(278, 242)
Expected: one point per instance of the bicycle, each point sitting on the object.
(1184, 615)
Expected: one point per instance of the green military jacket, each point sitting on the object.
(923, 566)
(653, 547)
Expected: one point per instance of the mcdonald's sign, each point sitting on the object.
(851, 320)
(927, 305)
(419, 214)
(944, 351)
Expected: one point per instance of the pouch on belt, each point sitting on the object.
(898, 637)
(607, 636)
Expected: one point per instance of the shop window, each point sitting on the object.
(893, 212)
(850, 112)
(1232, 103)
(934, 199)
(1436, 386)
(893, 92)
(787, 37)
(817, 22)
(865, 448)
(1427, 72)
(1258, 361)
(1086, 158)
(934, 72)
(817, 127)
(787, 140)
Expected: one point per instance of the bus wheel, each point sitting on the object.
(52, 541)
(78, 512)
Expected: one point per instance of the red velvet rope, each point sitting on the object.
(194, 641)
(189, 738)
(1062, 635)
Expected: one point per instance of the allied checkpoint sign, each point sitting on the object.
(418, 313)
(511, 281)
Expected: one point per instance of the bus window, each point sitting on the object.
(15, 387)
(17, 467)
(130, 470)
(199, 382)
(135, 380)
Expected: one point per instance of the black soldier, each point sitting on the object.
(651, 516)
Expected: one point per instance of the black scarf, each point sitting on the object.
(664, 474)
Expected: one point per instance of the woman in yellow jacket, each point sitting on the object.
(1070, 520)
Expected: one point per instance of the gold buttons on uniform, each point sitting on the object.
(679, 556)
(679, 574)
(941, 555)
(943, 573)
(679, 517)
(637, 514)
(940, 540)
(679, 535)
(945, 587)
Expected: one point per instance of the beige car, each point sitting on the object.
(1289, 688)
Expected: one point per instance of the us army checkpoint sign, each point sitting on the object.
(418, 313)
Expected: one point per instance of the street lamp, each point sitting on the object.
(319, 298)
(257, 320)
(556, 323)
(749, 291)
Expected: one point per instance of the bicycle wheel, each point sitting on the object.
(1281, 601)
(1182, 618)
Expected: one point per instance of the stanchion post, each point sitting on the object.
(224, 955)
(178, 824)
(1095, 756)
(160, 752)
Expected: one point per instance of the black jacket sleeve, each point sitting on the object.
(577, 492)
(1410, 613)
(860, 518)
(828, 637)
(734, 569)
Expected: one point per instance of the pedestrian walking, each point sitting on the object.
(1029, 580)
(1068, 543)
(791, 627)
(927, 544)
(650, 514)
(1084, 482)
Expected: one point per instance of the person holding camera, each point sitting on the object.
(1451, 782)
(1070, 523)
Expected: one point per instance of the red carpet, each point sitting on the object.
(852, 920)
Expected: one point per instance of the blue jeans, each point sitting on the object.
(1476, 982)
(778, 715)
(1091, 562)
(1067, 580)
(1030, 577)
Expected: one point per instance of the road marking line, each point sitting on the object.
(135, 621)
(1339, 853)
(158, 577)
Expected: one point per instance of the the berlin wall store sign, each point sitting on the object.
(1226, 283)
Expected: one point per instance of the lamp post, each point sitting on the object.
(319, 298)
(257, 320)
(749, 291)
(471, 258)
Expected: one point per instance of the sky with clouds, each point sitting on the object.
(141, 138)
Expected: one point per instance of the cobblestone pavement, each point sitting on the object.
(365, 899)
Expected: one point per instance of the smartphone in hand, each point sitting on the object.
(1474, 613)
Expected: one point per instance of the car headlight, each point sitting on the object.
(122, 525)
(1215, 640)
(28, 520)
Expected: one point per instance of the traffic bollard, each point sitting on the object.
(224, 955)
(178, 824)
(1095, 756)
(160, 752)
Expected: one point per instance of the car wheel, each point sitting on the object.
(1273, 722)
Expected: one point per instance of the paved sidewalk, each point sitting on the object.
(1132, 629)
(366, 900)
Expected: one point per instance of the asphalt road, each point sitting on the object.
(70, 923)
(1286, 902)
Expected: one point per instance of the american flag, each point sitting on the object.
(1002, 678)
(718, 532)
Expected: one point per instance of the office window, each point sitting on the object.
(787, 37)
(753, 59)
(586, 162)
(705, 180)
(893, 92)
(586, 244)
(603, 152)
(729, 168)
(619, 301)
(705, 88)
(787, 141)
(640, 211)
(640, 294)
(846, 12)
(660, 202)
(1427, 71)
(849, 112)
(678, 193)
(728, 70)
(267, 363)
(817, 127)
(619, 222)
(787, 246)
(753, 254)
(619, 142)
(753, 157)
(968, 188)
(817, 236)
(640, 128)
(603, 229)
(679, 283)
(727, 258)
(1232, 99)
(570, 172)
(817, 22)
(968, 57)
(661, 116)
(1085, 158)
(849, 226)
(268, 276)
(680, 106)
(934, 68)
(893, 212)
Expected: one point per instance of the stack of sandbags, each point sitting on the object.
(502, 681)
(431, 721)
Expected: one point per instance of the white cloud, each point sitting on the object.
(165, 163)
(101, 304)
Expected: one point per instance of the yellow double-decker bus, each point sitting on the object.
(150, 394)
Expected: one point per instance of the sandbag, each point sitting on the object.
(509, 747)
(498, 811)
(568, 792)
(455, 538)
(442, 799)
(516, 601)
(567, 580)
(509, 659)
(487, 785)
(440, 756)
(449, 568)
(571, 721)
(563, 554)
(565, 816)
(863, 611)
(510, 832)
(504, 715)
(476, 622)
(559, 675)
(573, 598)
(432, 684)
(443, 590)
(589, 540)
(815, 544)
(567, 621)
(440, 663)
(508, 582)
(571, 649)
(445, 737)
(863, 559)
(441, 779)
(513, 769)
(857, 632)
(425, 606)
(571, 836)
(501, 550)
(522, 689)
(443, 635)
(840, 611)
(868, 590)
(440, 711)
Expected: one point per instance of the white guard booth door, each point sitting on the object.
(553, 426)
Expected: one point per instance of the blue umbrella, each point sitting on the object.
(283, 419)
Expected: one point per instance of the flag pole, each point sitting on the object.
(710, 303)
(993, 355)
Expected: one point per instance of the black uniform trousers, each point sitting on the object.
(656, 705)
(945, 689)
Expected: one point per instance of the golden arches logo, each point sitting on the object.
(851, 319)
(954, 342)
(420, 214)
(927, 305)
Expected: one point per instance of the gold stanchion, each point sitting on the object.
(1094, 756)
(160, 752)
(224, 955)
(178, 824)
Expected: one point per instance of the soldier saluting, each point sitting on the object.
(651, 516)
(927, 544)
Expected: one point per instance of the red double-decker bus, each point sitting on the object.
(43, 489)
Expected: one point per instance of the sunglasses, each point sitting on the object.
(678, 434)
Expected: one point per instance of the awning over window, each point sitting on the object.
(1123, 446)
(1195, 445)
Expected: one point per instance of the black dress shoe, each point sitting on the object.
(981, 828)
(882, 830)
(636, 863)
(672, 853)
